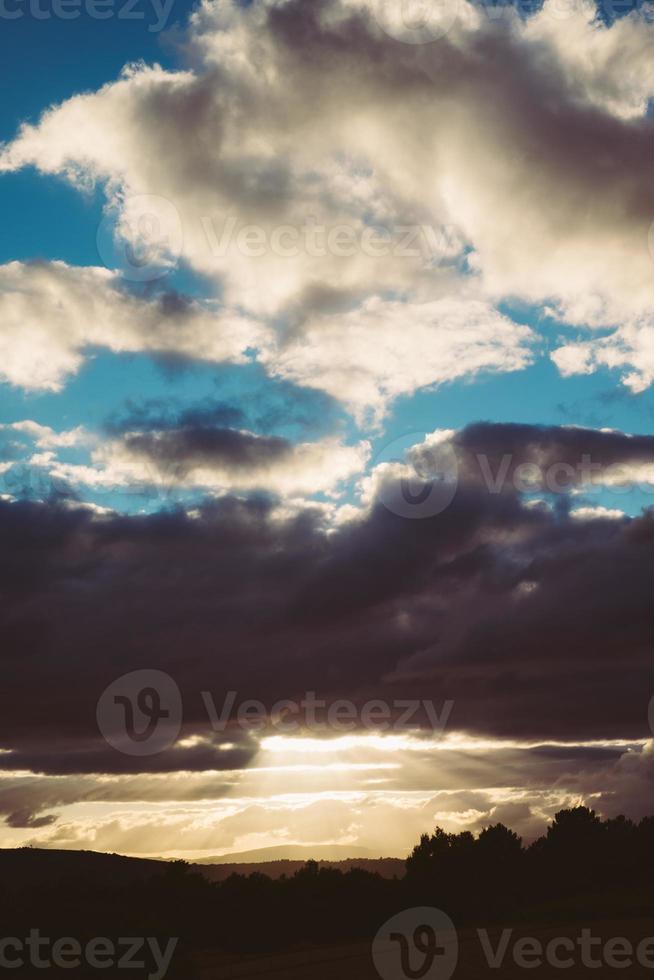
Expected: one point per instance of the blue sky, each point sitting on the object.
(47, 218)
(258, 400)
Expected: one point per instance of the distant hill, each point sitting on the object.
(29, 864)
(385, 867)
(293, 852)
(32, 865)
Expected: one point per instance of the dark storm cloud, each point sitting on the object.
(23, 818)
(159, 413)
(536, 624)
(263, 409)
(487, 448)
(86, 752)
(179, 451)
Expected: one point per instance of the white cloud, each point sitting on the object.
(303, 469)
(597, 513)
(385, 348)
(520, 144)
(629, 349)
(611, 69)
(51, 313)
(46, 438)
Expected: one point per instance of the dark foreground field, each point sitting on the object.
(354, 961)
(579, 901)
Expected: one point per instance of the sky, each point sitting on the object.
(326, 410)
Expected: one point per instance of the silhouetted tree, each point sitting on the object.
(582, 862)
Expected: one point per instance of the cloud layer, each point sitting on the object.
(369, 198)
(536, 623)
(369, 217)
(473, 603)
(52, 314)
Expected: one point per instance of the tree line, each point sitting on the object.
(582, 865)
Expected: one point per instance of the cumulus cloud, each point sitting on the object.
(628, 350)
(52, 313)
(514, 150)
(192, 451)
(363, 358)
(44, 436)
(217, 459)
(608, 68)
(536, 154)
(555, 459)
